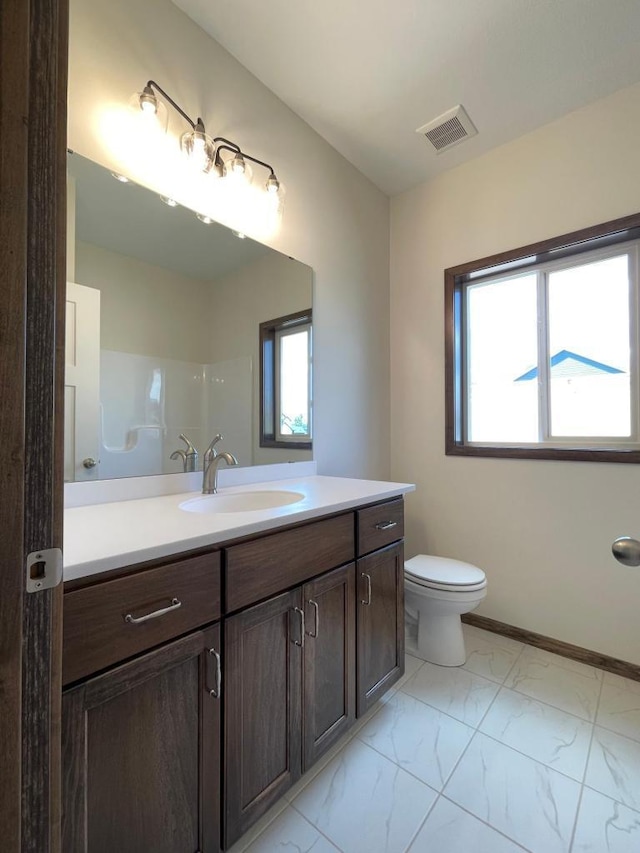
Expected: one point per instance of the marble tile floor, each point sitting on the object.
(518, 750)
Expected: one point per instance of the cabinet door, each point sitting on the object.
(380, 631)
(329, 661)
(263, 723)
(141, 754)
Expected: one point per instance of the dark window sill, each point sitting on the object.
(564, 454)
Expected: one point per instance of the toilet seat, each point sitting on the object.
(443, 573)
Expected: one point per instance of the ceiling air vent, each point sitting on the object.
(449, 129)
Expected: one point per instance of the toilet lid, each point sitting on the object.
(442, 571)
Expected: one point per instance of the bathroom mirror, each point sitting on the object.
(163, 331)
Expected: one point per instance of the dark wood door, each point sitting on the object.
(33, 73)
(263, 724)
(329, 676)
(380, 630)
(141, 754)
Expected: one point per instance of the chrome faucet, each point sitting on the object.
(210, 476)
(189, 457)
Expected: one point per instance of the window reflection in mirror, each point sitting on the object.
(285, 381)
(162, 312)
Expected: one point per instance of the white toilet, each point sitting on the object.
(437, 591)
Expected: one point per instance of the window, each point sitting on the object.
(542, 349)
(285, 382)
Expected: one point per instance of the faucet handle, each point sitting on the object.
(211, 452)
(190, 447)
(191, 454)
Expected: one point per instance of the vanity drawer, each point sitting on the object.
(380, 525)
(105, 623)
(266, 566)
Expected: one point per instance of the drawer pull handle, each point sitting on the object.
(216, 693)
(136, 620)
(302, 628)
(316, 629)
(386, 525)
(367, 602)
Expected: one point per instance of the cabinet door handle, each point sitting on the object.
(386, 525)
(367, 602)
(216, 692)
(316, 629)
(302, 628)
(136, 620)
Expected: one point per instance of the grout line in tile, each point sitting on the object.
(613, 799)
(586, 768)
(455, 766)
(317, 828)
(616, 732)
(435, 708)
(486, 823)
(422, 823)
(517, 658)
(400, 766)
(549, 705)
(489, 707)
(575, 819)
(530, 757)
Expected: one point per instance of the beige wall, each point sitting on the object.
(335, 220)
(541, 530)
(145, 309)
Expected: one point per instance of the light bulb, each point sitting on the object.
(204, 218)
(170, 202)
(237, 165)
(273, 184)
(150, 110)
(122, 178)
(237, 171)
(239, 235)
(148, 101)
(199, 147)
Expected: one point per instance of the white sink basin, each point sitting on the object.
(240, 501)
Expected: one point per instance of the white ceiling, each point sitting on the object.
(365, 75)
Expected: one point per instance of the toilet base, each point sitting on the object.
(440, 639)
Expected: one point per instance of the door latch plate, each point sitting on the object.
(44, 569)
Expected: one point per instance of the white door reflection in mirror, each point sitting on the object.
(82, 384)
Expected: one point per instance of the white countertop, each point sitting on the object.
(107, 536)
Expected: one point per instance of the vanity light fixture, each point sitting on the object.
(206, 152)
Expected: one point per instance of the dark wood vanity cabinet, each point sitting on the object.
(141, 750)
(329, 700)
(263, 711)
(264, 650)
(289, 691)
(380, 608)
(380, 641)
